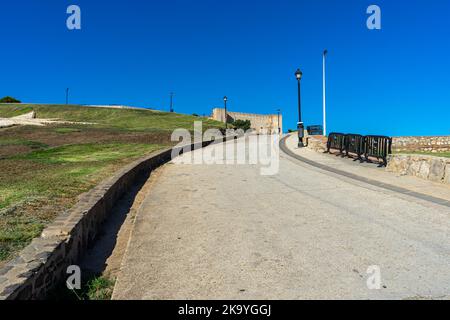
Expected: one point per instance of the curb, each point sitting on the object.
(372, 182)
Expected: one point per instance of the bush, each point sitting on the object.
(242, 124)
(9, 100)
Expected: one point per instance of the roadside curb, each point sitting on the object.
(353, 176)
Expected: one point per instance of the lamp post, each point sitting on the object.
(324, 95)
(300, 127)
(67, 95)
(279, 127)
(171, 102)
(225, 99)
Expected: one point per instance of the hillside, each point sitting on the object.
(44, 169)
(127, 119)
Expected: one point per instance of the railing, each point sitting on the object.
(378, 147)
(336, 141)
(370, 146)
(354, 143)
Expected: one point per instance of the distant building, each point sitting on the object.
(260, 123)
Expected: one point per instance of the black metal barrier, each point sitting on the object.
(336, 141)
(370, 146)
(378, 147)
(354, 143)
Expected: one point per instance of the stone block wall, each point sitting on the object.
(432, 168)
(260, 123)
(421, 144)
(317, 143)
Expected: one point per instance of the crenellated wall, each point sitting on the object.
(261, 123)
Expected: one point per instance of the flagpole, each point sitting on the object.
(324, 96)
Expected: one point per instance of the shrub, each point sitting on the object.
(8, 99)
(242, 124)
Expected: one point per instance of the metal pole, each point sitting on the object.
(67, 95)
(300, 123)
(299, 103)
(279, 127)
(324, 96)
(171, 102)
(226, 118)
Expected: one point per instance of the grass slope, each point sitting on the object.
(126, 119)
(44, 169)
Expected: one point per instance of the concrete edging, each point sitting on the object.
(43, 263)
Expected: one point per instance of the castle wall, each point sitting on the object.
(259, 122)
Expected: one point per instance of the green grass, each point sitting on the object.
(127, 119)
(67, 130)
(13, 110)
(82, 153)
(60, 174)
(43, 170)
(435, 154)
(93, 287)
(100, 288)
(21, 142)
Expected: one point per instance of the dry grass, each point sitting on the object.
(44, 169)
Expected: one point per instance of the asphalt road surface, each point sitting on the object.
(216, 231)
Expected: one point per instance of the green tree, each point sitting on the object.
(8, 99)
(242, 124)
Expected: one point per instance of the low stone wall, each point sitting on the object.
(424, 144)
(317, 143)
(426, 167)
(43, 263)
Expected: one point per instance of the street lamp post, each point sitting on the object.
(225, 99)
(279, 127)
(171, 102)
(300, 127)
(67, 95)
(324, 95)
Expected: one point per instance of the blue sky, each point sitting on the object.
(394, 81)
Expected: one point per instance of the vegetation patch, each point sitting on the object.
(85, 153)
(434, 154)
(93, 287)
(44, 169)
(67, 130)
(8, 99)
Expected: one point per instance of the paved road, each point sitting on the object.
(227, 232)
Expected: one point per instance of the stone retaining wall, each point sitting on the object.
(43, 263)
(401, 144)
(426, 167)
(317, 143)
(424, 144)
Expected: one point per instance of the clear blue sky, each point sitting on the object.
(134, 52)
